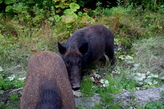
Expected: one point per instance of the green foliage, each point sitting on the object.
(14, 97)
(80, 107)
(7, 2)
(61, 5)
(13, 103)
(8, 81)
(70, 15)
(153, 105)
(74, 6)
(147, 4)
(82, 2)
(86, 87)
(1, 82)
(150, 52)
(114, 86)
(9, 51)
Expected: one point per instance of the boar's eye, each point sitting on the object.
(68, 63)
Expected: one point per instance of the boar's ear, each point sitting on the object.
(83, 48)
(61, 48)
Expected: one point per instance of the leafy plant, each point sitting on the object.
(61, 5)
(7, 2)
(154, 105)
(70, 15)
(14, 97)
(147, 4)
(86, 87)
(8, 81)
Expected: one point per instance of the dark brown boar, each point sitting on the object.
(47, 85)
(85, 46)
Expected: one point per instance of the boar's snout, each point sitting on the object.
(75, 83)
(75, 78)
(75, 86)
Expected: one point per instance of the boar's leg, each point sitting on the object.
(102, 59)
(110, 53)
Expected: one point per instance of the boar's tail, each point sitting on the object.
(49, 97)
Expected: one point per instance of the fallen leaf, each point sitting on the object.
(34, 51)
(97, 81)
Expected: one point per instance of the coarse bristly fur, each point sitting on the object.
(47, 85)
(86, 46)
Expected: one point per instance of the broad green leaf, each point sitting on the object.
(9, 1)
(8, 8)
(80, 13)
(83, 19)
(68, 18)
(68, 11)
(1, 1)
(75, 15)
(1, 82)
(51, 19)
(74, 6)
(57, 18)
(59, 0)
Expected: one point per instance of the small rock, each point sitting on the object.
(77, 93)
(88, 101)
(141, 97)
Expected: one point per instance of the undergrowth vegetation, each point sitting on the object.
(37, 25)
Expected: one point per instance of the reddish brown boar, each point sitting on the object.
(47, 85)
(85, 46)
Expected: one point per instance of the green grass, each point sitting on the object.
(153, 105)
(86, 87)
(8, 81)
(14, 97)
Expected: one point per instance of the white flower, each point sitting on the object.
(140, 83)
(11, 77)
(148, 80)
(150, 83)
(148, 72)
(137, 88)
(162, 78)
(102, 81)
(97, 75)
(139, 76)
(148, 77)
(155, 82)
(129, 62)
(122, 57)
(129, 57)
(136, 65)
(23, 78)
(115, 72)
(1, 69)
(145, 86)
(92, 78)
(154, 76)
(104, 85)
(106, 82)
